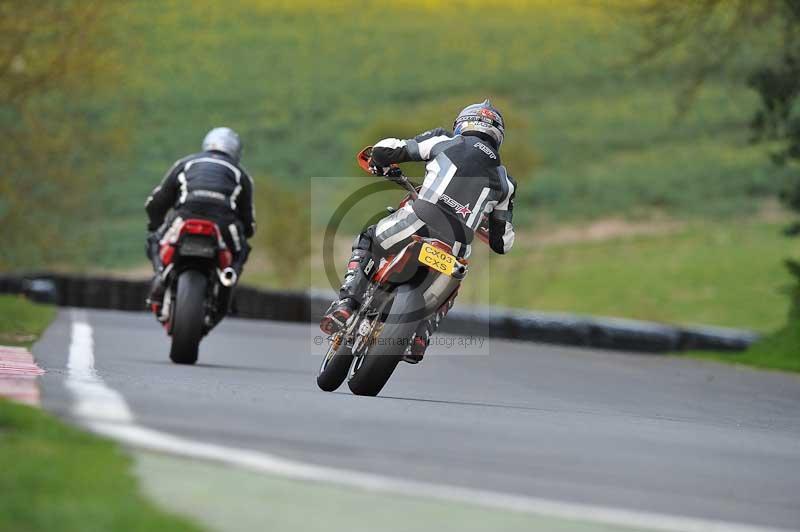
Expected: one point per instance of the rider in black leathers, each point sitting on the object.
(210, 185)
(464, 180)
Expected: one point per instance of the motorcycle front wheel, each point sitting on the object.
(334, 367)
(187, 317)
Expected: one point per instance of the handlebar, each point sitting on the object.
(396, 175)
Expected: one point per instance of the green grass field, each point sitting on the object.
(729, 275)
(308, 83)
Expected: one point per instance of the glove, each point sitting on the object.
(395, 175)
(513, 194)
(378, 170)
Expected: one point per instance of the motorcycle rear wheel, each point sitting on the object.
(187, 317)
(380, 362)
(369, 375)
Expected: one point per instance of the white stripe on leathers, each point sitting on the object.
(477, 210)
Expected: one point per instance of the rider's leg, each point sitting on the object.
(388, 236)
(152, 248)
(427, 328)
(234, 238)
(359, 268)
(233, 235)
(240, 259)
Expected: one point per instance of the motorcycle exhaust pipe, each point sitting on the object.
(228, 277)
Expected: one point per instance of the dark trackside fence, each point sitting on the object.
(253, 303)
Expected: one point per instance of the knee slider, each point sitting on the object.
(363, 241)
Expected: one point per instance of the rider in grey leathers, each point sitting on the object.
(464, 180)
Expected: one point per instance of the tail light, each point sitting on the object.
(196, 226)
(188, 233)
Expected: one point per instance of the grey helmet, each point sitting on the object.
(225, 140)
(483, 118)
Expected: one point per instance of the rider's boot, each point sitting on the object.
(336, 316)
(240, 258)
(155, 296)
(421, 341)
(425, 330)
(355, 282)
(226, 302)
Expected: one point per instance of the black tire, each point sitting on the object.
(187, 317)
(381, 360)
(333, 370)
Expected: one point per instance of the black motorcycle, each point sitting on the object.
(199, 280)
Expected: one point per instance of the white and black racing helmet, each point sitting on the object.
(225, 140)
(483, 118)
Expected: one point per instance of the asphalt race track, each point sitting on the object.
(639, 432)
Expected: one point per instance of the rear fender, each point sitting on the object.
(421, 298)
(418, 290)
(408, 304)
(401, 267)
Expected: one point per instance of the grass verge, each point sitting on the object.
(21, 321)
(55, 477)
(780, 350)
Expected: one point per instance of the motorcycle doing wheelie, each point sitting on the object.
(420, 282)
(198, 278)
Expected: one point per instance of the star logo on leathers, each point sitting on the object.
(464, 210)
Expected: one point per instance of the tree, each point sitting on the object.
(778, 85)
(708, 37)
(713, 35)
(54, 56)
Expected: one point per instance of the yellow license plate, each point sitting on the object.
(437, 259)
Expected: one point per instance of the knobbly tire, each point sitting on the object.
(187, 319)
(378, 365)
(334, 368)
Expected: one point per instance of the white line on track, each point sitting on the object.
(104, 410)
